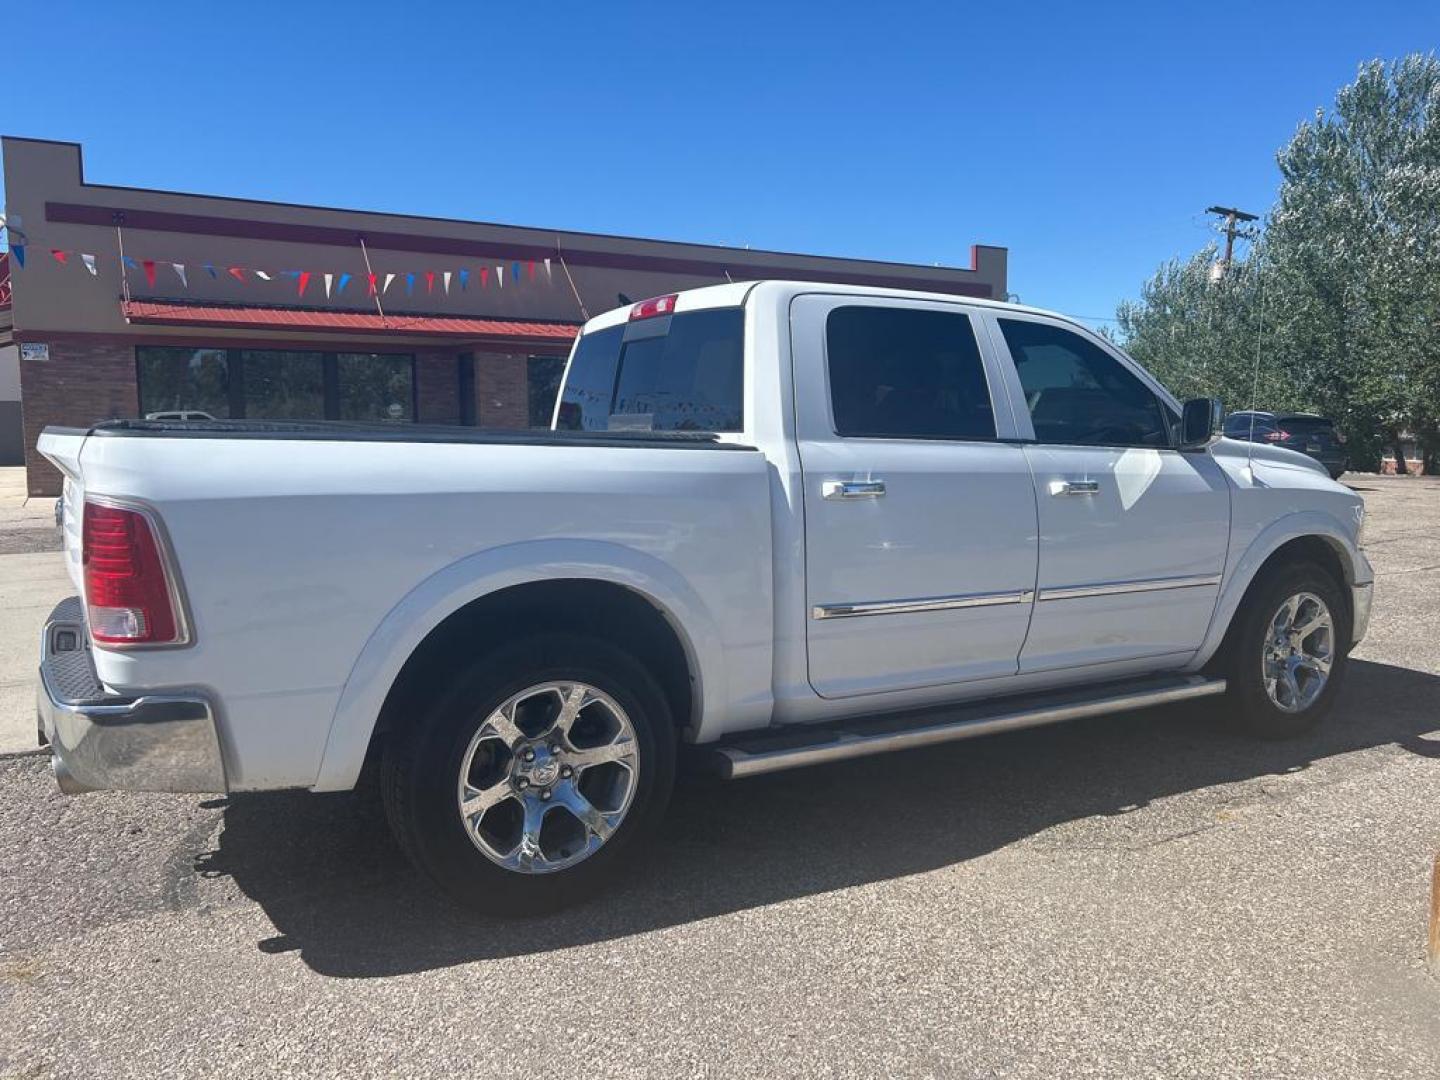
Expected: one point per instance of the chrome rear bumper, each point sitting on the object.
(104, 741)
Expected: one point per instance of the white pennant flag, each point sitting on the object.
(328, 279)
(500, 276)
(179, 269)
(548, 275)
(89, 261)
(446, 278)
(262, 275)
(388, 279)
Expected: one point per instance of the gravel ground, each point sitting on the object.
(1134, 896)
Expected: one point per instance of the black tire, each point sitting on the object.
(421, 764)
(1247, 706)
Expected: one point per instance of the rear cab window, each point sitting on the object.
(682, 372)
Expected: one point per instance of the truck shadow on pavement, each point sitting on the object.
(328, 875)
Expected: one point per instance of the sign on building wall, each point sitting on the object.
(37, 351)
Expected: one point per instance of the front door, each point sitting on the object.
(920, 524)
(1133, 533)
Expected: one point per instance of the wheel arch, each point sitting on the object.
(607, 588)
(1310, 537)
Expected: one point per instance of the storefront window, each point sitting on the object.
(375, 386)
(183, 381)
(284, 385)
(543, 376)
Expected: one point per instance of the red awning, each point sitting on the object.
(317, 320)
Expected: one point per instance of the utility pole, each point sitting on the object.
(1233, 218)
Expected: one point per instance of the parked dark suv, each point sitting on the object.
(1312, 435)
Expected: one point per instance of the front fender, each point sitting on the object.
(1242, 570)
(448, 590)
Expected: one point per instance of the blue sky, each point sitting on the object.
(1087, 138)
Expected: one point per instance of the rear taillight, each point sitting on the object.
(655, 306)
(1276, 436)
(128, 592)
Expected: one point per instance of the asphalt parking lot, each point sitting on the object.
(1136, 896)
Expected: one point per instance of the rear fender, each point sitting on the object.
(448, 590)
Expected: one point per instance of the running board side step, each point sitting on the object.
(774, 750)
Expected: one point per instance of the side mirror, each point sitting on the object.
(1199, 420)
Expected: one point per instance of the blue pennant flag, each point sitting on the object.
(131, 263)
(344, 280)
(409, 284)
(515, 272)
(210, 269)
(464, 278)
(19, 252)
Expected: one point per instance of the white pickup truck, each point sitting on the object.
(773, 524)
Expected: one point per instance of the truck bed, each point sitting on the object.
(353, 431)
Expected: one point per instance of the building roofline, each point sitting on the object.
(763, 252)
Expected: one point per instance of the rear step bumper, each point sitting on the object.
(796, 747)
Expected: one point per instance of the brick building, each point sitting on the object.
(132, 302)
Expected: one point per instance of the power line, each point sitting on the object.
(1232, 228)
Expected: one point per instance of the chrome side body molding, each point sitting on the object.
(910, 607)
(1021, 596)
(1120, 588)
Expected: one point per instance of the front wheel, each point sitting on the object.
(1287, 653)
(533, 775)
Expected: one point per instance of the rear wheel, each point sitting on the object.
(532, 777)
(1287, 652)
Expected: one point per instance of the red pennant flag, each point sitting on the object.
(238, 273)
(531, 267)
(429, 280)
(484, 276)
(149, 265)
(62, 257)
(304, 280)
(371, 291)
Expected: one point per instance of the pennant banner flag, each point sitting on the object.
(18, 250)
(335, 282)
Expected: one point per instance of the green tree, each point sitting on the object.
(1347, 275)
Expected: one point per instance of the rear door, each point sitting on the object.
(1133, 534)
(920, 524)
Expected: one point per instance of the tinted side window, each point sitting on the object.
(1079, 394)
(903, 373)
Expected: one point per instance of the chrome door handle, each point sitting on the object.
(1074, 487)
(852, 489)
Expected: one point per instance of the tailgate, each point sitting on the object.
(62, 447)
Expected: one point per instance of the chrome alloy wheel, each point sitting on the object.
(1299, 651)
(549, 777)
